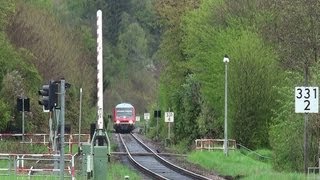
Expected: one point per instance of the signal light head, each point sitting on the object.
(49, 95)
(44, 100)
(44, 91)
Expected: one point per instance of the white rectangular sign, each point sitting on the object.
(306, 99)
(137, 118)
(146, 116)
(168, 117)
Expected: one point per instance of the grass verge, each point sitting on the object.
(239, 166)
(119, 171)
(114, 171)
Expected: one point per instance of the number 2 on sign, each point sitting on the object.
(307, 108)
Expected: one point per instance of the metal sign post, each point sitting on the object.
(80, 116)
(306, 101)
(146, 117)
(62, 113)
(22, 119)
(157, 114)
(23, 104)
(225, 142)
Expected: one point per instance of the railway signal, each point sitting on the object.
(23, 104)
(49, 95)
(157, 113)
(53, 94)
(44, 100)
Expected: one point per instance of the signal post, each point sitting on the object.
(53, 98)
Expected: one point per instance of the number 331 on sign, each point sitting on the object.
(306, 99)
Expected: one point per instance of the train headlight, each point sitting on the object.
(130, 122)
(117, 122)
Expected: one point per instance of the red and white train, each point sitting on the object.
(124, 118)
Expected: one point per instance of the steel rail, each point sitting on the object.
(171, 165)
(146, 154)
(138, 165)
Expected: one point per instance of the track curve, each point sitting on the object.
(154, 165)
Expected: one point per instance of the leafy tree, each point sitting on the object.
(294, 31)
(143, 11)
(145, 15)
(6, 10)
(170, 59)
(128, 65)
(187, 103)
(208, 124)
(133, 45)
(5, 115)
(252, 77)
(286, 131)
(18, 77)
(114, 10)
(45, 43)
(12, 87)
(252, 70)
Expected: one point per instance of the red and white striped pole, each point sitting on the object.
(99, 71)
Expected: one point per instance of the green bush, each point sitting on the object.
(286, 130)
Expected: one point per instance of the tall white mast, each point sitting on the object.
(99, 71)
(95, 168)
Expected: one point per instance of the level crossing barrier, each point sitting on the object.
(314, 172)
(6, 165)
(22, 164)
(44, 139)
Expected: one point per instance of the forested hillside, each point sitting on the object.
(56, 39)
(168, 54)
(273, 47)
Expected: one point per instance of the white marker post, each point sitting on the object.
(306, 101)
(146, 117)
(169, 118)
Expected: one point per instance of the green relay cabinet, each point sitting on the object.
(94, 166)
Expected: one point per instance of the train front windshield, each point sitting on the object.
(124, 112)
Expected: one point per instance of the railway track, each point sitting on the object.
(152, 164)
